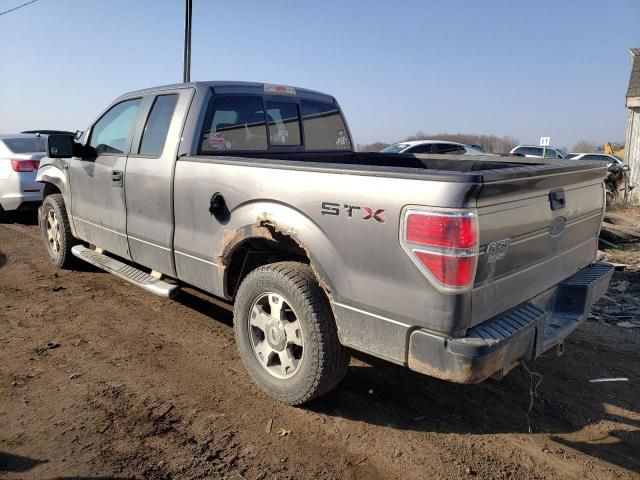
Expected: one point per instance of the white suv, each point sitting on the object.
(535, 151)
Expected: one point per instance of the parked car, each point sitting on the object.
(49, 132)
(617, 178)
(599, 157)
(535, 151)
(440, 147)
(20, 156)
(252, 192)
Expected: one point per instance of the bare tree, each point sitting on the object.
(584, 146)
(372, 147)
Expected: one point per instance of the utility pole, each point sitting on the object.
(186, 77)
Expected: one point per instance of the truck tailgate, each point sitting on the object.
(535, 231)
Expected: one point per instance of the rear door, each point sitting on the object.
(97, 184)
(149, 173)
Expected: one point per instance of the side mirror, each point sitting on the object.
(60, 146)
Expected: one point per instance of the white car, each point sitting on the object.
(440, 147)
(536, 151)
(599, 157)
(20, 156)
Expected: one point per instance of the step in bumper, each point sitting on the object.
(523, 333)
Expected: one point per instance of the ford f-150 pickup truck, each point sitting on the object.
(456, 267)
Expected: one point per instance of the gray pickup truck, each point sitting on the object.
(456, 267)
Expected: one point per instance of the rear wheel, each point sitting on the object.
(56, 231)
(286, 333)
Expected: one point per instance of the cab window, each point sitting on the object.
(157, 127)
(109, 135)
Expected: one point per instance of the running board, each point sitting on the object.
(126, 272)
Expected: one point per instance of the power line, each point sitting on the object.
(19, 6)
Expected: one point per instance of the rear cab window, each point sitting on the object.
(250, 122)
(324, 127)
(284, 123)
(234, 123)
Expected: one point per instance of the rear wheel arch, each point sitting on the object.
(255, 247)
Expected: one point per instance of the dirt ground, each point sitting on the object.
(99, 379)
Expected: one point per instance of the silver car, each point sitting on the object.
(440, 147)
(20, 156)
(598, 157)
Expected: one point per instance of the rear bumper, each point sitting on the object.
(523, 333)
(20, 191)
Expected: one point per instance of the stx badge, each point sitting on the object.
(336, 209)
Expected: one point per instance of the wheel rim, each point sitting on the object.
(53, 232)
(275, 335)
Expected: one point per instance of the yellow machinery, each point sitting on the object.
(614, 149)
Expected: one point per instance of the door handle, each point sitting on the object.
(116, 178)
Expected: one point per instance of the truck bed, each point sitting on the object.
(456, 168)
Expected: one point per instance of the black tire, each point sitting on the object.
(61, 257)
(324, 360)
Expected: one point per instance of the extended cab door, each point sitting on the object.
(149, 173)
(97, 184)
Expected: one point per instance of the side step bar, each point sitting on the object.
(126, 272)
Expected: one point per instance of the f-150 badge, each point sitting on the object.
(495, 252)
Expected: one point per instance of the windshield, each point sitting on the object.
(396, 148)
(562, 152)
(25, 144)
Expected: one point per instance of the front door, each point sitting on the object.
(98, 203)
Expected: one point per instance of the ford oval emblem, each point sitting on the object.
(557, 226)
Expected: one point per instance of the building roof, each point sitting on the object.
(634, 80)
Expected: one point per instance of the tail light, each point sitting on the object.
(443, 244)
(21, 166)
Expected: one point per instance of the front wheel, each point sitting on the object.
(56, 231)
(286, 333)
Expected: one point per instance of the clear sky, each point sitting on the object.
(505, 67)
